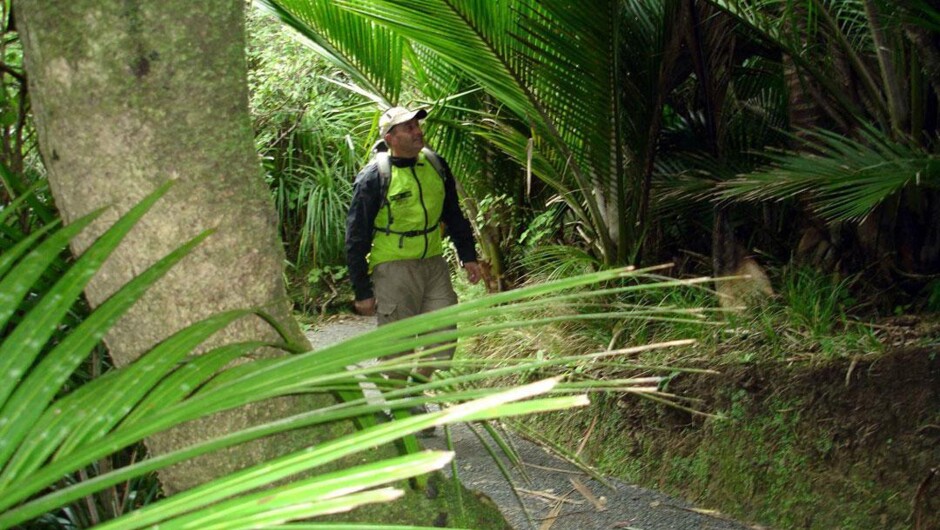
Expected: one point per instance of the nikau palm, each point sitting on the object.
(553, 68)
(863, 88)
(587, 98)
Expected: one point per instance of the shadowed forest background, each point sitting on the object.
(769, 167)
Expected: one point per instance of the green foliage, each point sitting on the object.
(328, 274)
(814, 317)
(686, 311)
(20, 167)
(12, 89)
(815, 303)
(551, 262)
(933, 299)
(811, 319)
(867, 75)
(348, 42)
(23, 230)
(638, 310)
(762, 459)
(312, 203)
(58, 429)
(541, 228)
(323, 286)
(773, 446)
(846, 179)
(304, 126)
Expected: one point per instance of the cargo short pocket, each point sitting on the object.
(386, 313)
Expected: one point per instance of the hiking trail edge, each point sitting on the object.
(557, 495)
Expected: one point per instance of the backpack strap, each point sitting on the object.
(435, 160)
(383, 162)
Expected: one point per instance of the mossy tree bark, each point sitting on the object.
(129, 94)
(126, 95)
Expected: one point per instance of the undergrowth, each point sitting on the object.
(809, 320)
(751, 455)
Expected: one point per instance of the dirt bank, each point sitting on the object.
(850, 444)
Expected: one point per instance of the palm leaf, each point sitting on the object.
(38, 326)
(34, 393)
(316, 496)
(546, 62)
(20, 189)
(845, 180)
(163, 389)
(368, 53)
(290, 465)
(471, 31)
(13, 252)
(803, 29)
(552, 262)
(924, 14)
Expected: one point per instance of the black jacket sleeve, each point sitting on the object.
(458, 227)
(360, 220)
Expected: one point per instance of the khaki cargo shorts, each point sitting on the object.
(406, 288)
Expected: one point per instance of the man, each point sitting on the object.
(393, 236)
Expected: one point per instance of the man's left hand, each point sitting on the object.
(474, 271)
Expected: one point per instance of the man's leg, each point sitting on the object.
(411, 287)
(399, 293)
(439, 293)
(400, 288)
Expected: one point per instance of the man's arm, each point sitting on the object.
(360, 220)
(458, 227)
(474, 271)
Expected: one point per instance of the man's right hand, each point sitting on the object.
(365, 307)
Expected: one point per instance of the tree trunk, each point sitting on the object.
(128, 94)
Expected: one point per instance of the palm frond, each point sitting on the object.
(368, 53)
(471, 34)
(45, 317)
(49, 436)
(845, 179)
(552, 262)
(824, 36)
(925, 14)
(35, 392)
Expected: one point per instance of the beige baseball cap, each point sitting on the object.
(397, 115)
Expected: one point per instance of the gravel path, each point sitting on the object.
(557, 495)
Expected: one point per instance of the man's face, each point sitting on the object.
(405, 139)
